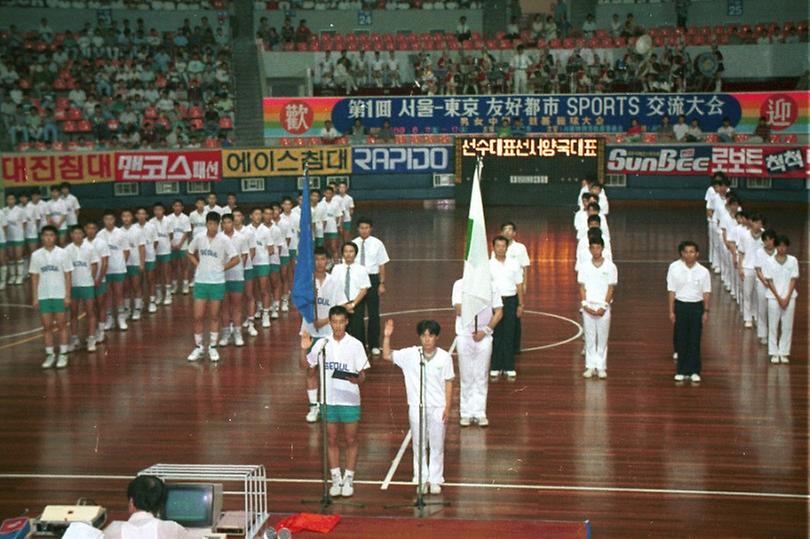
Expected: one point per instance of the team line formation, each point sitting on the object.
(241, 264)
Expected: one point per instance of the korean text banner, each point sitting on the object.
(703, 159)
(174, 166)
(286, 161)
(401, 159)
(786, 112)
(23, 170)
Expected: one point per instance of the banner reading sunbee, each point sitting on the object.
(786, 112)
(401, 159)
(521, 171)
(286, 161)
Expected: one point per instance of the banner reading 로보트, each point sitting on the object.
(786, 112)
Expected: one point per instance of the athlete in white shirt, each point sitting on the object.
(339, 352)
(4, 270)
(150, 257)
(689, 289)
(782, 273)
(51, 272)
(85, 262)
(430, 396)
(71, 203)
(181, 233)
(211, 254)
(354, 286)
(230, 204)
(517, 252)
(234, 284)
(116, 270)
(42, 210)
(748, 244)
(373, 256)
(507, 278)
(332, 215)
(292, 221)
(318, 216)
(57, 214)
(281, 288)
(212, 204)
(16, 220)
(474, 347)
(248, 297)
(100, 277)
(197, 217)
(163, 254)
(261, 265)
(597, 280)
(327, 295)
(32, 218)
(136, 265)
(347, 203)
(767, 250)
(278, 241)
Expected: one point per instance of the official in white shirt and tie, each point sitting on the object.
(507, 278)
(354, 285)
(517, 252)
(373, 256)
(689, 286)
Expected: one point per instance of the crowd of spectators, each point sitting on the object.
(120, 85)
(287, 5)
(175, 5)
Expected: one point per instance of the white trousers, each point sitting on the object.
(712, 243)
(749, 299)
(473, 366)
(779, 345)
(520, 82)
(597, 330)
(433, 467)
(762, 311)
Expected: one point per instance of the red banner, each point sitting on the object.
(169, 166)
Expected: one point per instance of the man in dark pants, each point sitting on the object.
(689, 287)
(354, 285)
(507, 279)
(371, 254)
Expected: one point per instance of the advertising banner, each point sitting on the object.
(31, 169)
(786, 112)
(702, 159)
(401, 159)
(168, 166)
(286, 161)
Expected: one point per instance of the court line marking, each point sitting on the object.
(511, 486)
(19, 333)
(395, 463)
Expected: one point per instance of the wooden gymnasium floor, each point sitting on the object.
(635, 454)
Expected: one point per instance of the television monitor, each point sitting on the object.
(193, 505)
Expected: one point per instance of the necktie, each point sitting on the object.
(363, 253)
(347, 286)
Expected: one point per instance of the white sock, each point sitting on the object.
(265, 311)
(214, 337)
(127, 304)
(259, 306)
(198, 339)
(168, 290)
(49, 350)
(312, 395)
(20, 268)
(138, 304)
(151, 299)
(63, 349)
(275, 305)
(348, 474)
(122, 311)
(335, 472)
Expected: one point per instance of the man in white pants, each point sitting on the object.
(765, 252)
(437, 396)
(474, 346)
(748, 243)
(520, 64)
(597, 283)
(782, 272)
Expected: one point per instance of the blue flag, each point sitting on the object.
(303, 290)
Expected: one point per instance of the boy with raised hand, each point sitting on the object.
(51, 283)
(435, 401)
(211, 254)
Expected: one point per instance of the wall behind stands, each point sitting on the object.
(777, 60)
(705, 12)
(382, 20)
(61, 20)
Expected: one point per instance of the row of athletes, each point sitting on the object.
(754, 266)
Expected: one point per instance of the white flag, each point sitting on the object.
(477, 280)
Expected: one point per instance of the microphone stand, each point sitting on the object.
(420, 502)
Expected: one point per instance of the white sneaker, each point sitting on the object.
(62, 362)
(494, 374)
(464, 421)
(122, 323)
(225, 339)
(285, 306)
(314, 412)
(482, 421)
(774, 359)
(588, 373)
(258, 314)
(109, 323)
(213, 355)
(167, 300)
(274, 313)
(185, 288)
(136, 314)
(152, 307)
(196, 354)
(347, 488)
(511, 375)
(680, 377)
(435, 489)
(50, 359)
(251, 329)
(695, 378)
(100, 335)
(375, 351)
(749, 325)
(337, 487)
(602, 373)
(174, 287)
(784, 359)
(75, 343)
(675, 356)
(717, 270)
(19, 280)
(237, 338)
(91, 344)
(265, 320)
